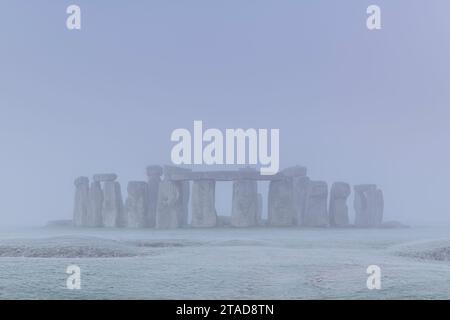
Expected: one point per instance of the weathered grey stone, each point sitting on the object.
(95, 205)
(338, 208)
(300, 191)
(153, 188)
(203, 204)
(154, 171)
(222, 176)
(169, 205)
(281, 207)
(185, 194)
(295, 171)
(361, 205)
(81, 202)
(136, 204)
(154, 179)
(316, 213)
(260, 210)
(245, 203)
(81, 181)
(379, 207)
(170, 171)
(103, 177)
(368, 205)
(112, 209)
(185, 186)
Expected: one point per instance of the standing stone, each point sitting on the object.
(169, 205)
(245, 203)
(259, 212)
(136, 204)
(203, 203)
(300, 188)
(368, 205)
(81, 203)
(281, 207)
(95, 205)
(185, 195)
(361, 204)
(379, 207)
(184, 190)
(316, 213)
(112, 210)
(154, 179)
(338, 204)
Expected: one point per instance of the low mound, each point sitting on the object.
(431, 250)
(165, 243)
(438, 254)
(65, 248)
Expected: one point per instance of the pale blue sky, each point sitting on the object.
(351, 104)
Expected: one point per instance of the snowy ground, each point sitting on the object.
(225, 263)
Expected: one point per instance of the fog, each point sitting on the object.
(351, 104)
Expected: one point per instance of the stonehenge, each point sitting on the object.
(112, 208)
(174, 197)
(280, 203)
(184, 192)
(81, 203)
(338, 208)
(154, 174)
(95, 205)
(104, 177)
(316, 212)
(244, 206)
(299, 188)
(368, 204)
(379, 207)
(244, 211)
(203, 204)
(98, 205)
(136, 205)
(169, 205)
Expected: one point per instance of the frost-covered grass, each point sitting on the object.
(65, 247)
(225, 263)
